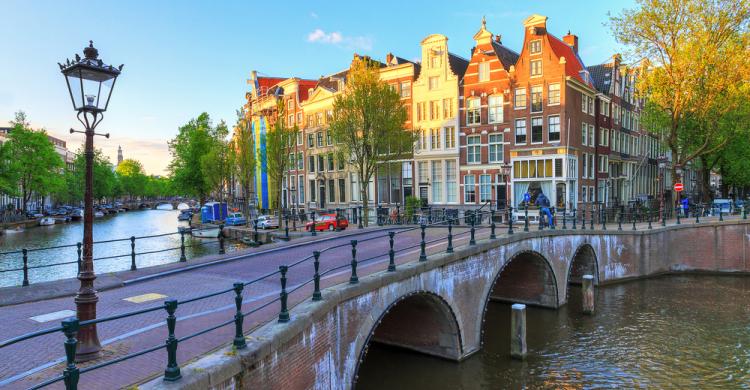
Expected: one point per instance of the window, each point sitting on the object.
(318, 118)
(520, 131)
(321, 163)
(450, 180)
(535, 47)
(604, 108)
(299, 119)
(520, 98)
(591, 105)
(301, 189)
(342, 190)
(469, 190)
(473, 111)
(290, 104)
(592, 132)
(542, 168)
(309, 119)
(319, 137)
(300, 161)
(405, 89)
(553, 128)
(450, 137)
(434, 61)
(473, 151)
(311, 163)
(433, 82)
(536, 98)
(312, 190)
(553, 94)
(484, 71)
(420, 111)
(299, 138)
(496, 147)
(422, 171)
(437, 181)
(447, 108)
(329, 138)
(292, 156)
(434, 110)
(332, 191)
(310, 141)
(340, 164)
(584, 105)
(484, 188)
(603, 164)
(290, 120)
(583, 194)
(422, 141)
(330, 162)
(537, 130)
(584, 134)
(495, 108)
(536, 68)
(585, 160)
(591, 166)
(435, 139)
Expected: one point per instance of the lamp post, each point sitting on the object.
(506, 170)
(293, 191)
(678, 171)
(90, 84)
(662, 161)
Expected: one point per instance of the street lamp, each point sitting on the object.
(90, 84)
(506, 170)
(293, 191)
(662, 161)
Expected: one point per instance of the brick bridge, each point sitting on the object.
(437, 307)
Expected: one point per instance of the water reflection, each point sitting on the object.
(672, 332)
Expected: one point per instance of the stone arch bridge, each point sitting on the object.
(437, 307)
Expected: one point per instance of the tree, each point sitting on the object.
(696, 60)
(106, 184)
(193, 141)
(367, 124)
(34, 163)
(243, 144)
(218, 163)
(278, 144)
(132, 178)
(8, 178)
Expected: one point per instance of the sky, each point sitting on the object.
(183, 58)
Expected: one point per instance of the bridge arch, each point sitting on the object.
(421, 321)
(527, 277)
(583, 262)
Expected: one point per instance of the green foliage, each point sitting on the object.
(8, 180)
(278, 146)
(33, 162)
(132, 178)
(413, 204)
(217, 164)
(193, 141)
(106, 184)
(368, 123)
(243, 144)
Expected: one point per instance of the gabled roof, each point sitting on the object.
(458, 64)
(601, 75)
(573, 63)
(304, 88)
(331, 82)
(506, 56)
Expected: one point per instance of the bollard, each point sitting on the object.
(518, 331)
(359, 220)
(172, 373)
(603, 218)
(492, 225)
(472, 241)
(633, 218)
(78, 245)
(574, 219)
(422, 245)
(255, 233)
(697, 216)
(313, 231)
(286, 227)
(132, 253)
(450, 236)
(354, 279)
(294, 221)
(398, 215)
(71, 372)
(283, 313)
(664, 217)
(721, 215)
(591, 223)
(316, 296)
(510, 220)
(619, 221)
(583, 219)
(587, 293)
(25, 267)
(526, 217)
(649, 214)
(744, 212)
(678, 216)
(182, 246)
(221, 240)
(391, 253)
(540, 225)
(239, 339)
(564, 226)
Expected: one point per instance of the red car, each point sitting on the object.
(328, 222)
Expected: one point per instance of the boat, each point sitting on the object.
(206, 231)
(98, 214)
(17, 229)
(46, 221)
(185, 215)
(77, 215)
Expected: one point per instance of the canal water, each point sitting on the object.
(121, 225)
(677, 332)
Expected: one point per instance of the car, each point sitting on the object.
(235, 219)
(267, 222)
(328, 222)
(723, 205)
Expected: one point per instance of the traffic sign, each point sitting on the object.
(678, 187)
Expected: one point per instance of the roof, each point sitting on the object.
(506, 56)
(601, 75)
(304, 88)
(573, 63)
(331, 82)
(458, 64)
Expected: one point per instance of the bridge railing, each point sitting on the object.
(340, 259)
(22, 262)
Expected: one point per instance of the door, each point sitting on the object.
(322, 194)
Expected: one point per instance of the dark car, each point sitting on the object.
(328, 222)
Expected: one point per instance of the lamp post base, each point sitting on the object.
(89, 347)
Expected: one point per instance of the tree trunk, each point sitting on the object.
(705, 181)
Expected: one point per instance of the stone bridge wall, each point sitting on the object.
(437, 307)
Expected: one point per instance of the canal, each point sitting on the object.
(121, 225)
(669, 332)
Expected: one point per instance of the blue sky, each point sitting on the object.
(183, 58)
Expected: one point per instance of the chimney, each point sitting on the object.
(572, 41)
(499, 39)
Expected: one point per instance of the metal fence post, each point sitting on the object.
(422, 253)
(721, 215)
(574, 219)
(564, 226)
(71, 372)
(316, 296)
(450, 236)
(284, 313)
(526, 217)
(132, 254)
(182, 246)
(492, 225)
(286, 226)
(632, 217)
(697, 216)
(239, 339)
(172, 373)
(650, 215)
(472, 241)
(591, 223)
(603, 217)
(25, 267)
(619, 220)
(744, 211)
(78, 246)
(313, 230)
(221, 240)
(391, 253)
(583, 218)
(354, 279)
(678, 215)
(510, 220)
(664, 217)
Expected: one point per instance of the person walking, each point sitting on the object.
(543, 202)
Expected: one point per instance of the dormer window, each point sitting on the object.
(535, 47)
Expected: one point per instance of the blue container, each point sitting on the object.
(213, 212)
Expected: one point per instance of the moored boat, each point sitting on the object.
(205, 231)
(46, 221)
(77, 215)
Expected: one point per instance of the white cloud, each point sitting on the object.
(338, 39)
(313, 15)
